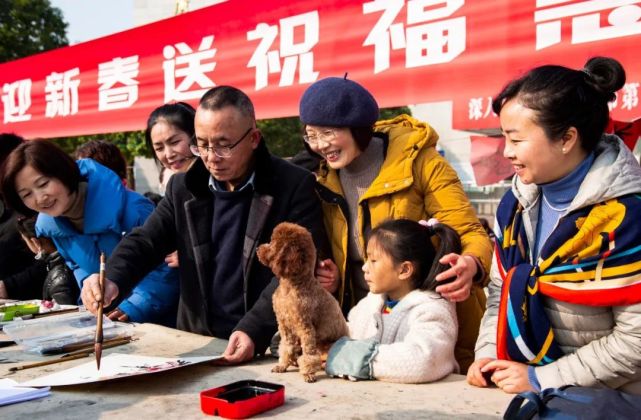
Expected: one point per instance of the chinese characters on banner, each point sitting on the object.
(404, 51)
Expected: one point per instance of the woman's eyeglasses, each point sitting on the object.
(326, 136)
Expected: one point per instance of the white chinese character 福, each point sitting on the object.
(428, 37)
(62, 93)
(190, 66)
(623, 18)
(297, 56)
(16, 98)
(121, 71)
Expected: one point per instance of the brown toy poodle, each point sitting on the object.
(309, 318)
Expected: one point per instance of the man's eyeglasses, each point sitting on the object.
(326, 136)
(220, 151)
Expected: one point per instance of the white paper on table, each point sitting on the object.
(115, 366)
(10, 392)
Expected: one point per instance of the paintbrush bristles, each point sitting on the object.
(99, 338)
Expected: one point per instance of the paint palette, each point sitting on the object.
(242, 399)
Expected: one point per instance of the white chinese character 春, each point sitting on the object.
(190, 66)
(428, 37)
(62, 93)
(297, 56)
(121, 71)
(16, 98)
(630, 98)
(623, 18)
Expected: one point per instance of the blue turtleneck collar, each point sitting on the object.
(556, 197)
(560, 193)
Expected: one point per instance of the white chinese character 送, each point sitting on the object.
(122, 71)
(429, 38)
(16, 98)
(297, 56)
(630, 98)
(62, 93)
(624, 19)
(190, 66)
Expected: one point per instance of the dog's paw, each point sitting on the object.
(309, 377)
(279, 369)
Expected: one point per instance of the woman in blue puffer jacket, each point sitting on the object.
(84, 208)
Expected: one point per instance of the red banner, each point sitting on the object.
(487, 160)
(405, 52)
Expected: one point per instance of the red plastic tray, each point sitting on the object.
(242, 399)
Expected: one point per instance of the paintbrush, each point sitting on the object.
(88, 345)
(50, 362)
(98, 341)
(78, 354)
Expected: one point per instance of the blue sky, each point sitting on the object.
(90, 19)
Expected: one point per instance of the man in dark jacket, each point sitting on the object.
(215, 215)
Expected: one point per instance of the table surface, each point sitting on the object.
(175, 394)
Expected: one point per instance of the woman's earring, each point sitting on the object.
(563, 150)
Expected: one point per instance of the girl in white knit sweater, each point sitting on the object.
(402, 331)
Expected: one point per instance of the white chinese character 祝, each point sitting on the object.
(16, 98)
(297, 56)
(189, 66)
(119, 71)
(630, 98)
(623, 19)
(428, 37)
(62, 93)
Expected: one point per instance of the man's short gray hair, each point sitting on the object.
(223, 96)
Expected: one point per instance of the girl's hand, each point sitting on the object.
(511, 377)
(475, 376)
(462, 270)
(327, 275)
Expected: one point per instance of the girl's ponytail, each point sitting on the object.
(449, 242)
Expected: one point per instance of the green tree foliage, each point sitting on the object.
(29, 27)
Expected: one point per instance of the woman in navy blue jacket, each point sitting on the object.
(84, 208)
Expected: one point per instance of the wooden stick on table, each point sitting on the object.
(78, 354)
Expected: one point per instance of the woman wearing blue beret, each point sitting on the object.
(372, 171)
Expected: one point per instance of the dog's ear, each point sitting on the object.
(264, 254)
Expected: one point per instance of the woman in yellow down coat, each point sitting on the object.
(372, 171)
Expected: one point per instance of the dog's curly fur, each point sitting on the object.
(309, 318)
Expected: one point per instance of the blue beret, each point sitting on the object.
(338, 102)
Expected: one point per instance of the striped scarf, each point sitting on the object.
(593, 257)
